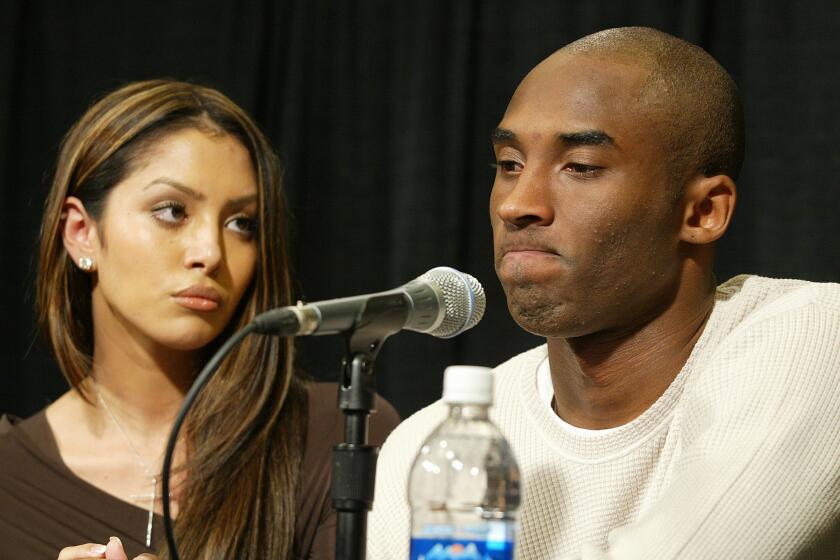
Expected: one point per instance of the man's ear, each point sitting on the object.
(79, 234)
(708, 204)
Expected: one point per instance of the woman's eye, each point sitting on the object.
(170, 212)
(246, 225)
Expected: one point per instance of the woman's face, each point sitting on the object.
(175, 248)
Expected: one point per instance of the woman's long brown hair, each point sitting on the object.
(246, 432)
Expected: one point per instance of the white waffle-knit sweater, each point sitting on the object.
(738, 459)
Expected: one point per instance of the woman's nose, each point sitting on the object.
(204, 249)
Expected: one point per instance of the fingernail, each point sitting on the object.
(98, 549)
(115, 539)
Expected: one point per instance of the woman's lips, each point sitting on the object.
(199, 298)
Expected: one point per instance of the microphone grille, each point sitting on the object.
(463, 299)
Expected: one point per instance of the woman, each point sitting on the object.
(162, 235)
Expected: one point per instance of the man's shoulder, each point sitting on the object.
(757, 294)
(767, 338)
(746, 301)
(512, 372)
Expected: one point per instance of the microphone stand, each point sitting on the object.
(354, 461)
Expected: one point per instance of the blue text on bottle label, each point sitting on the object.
(457, 549)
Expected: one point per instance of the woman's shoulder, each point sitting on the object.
(31, 447)
(26, 450)
(326, 418)
(31, 433)
(7, 424)
(315, 520)
(27, 484)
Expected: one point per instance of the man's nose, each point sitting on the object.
(204, 248)
(528, 201)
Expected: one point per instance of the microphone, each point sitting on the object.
(443, 302)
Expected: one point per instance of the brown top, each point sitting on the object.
(44, 507)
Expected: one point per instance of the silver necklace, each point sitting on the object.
(152, 497)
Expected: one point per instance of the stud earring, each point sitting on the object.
(86, 263)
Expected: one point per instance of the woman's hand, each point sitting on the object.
(82, 552)
(112, 551)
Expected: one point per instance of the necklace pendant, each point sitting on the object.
(152, 501)
(152, 497)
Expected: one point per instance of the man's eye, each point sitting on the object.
(507, 166)
(169, 212)
(582, 169)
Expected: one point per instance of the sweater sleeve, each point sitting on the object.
(759, 472)
(388, 527)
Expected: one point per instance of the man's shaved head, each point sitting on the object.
(699, 105)
(616, 164)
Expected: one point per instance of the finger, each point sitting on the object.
(115, 550)
(82, 551)
(146, 556)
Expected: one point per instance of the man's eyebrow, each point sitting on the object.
(580, 138)
(586, 138)
(176, 185)
(502, 135)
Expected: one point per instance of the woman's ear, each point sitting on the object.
(79, 234)
(708, 204)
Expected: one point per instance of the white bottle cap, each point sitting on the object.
(468, 385)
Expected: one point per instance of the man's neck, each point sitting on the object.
(607, 379)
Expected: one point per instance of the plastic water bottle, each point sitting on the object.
(464, 487)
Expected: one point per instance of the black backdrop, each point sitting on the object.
(382, 111)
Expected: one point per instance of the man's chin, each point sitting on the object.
(549, 320)
(514, 275)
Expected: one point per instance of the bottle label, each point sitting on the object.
(459, 549)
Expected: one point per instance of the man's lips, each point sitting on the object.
(527, 250)
(199, 298)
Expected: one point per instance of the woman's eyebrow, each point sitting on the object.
(176, 185)
(240, 202)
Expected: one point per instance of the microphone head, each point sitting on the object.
(463, 299)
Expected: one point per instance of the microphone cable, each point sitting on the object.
(199, 383)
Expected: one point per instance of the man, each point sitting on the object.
(664, 417)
